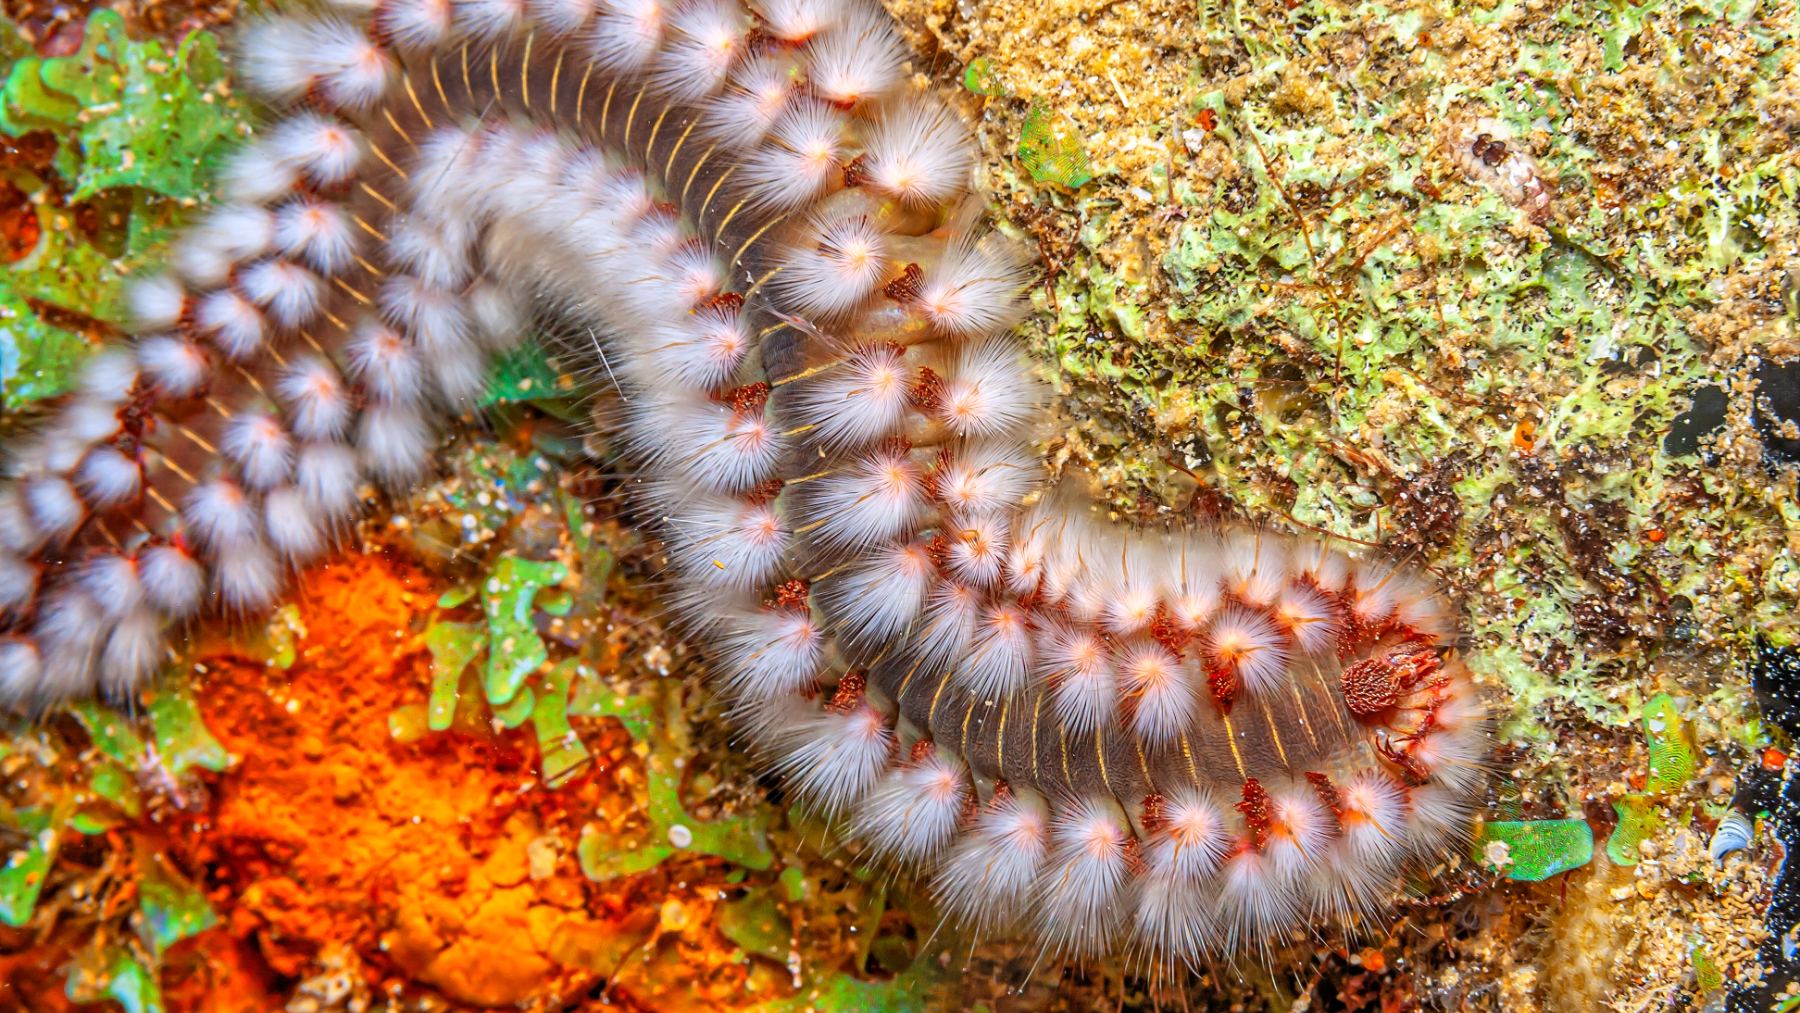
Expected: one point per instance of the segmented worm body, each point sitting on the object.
(1176, 745)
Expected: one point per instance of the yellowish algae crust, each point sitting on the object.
(1280, 282)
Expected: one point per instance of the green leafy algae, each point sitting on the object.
(514, 648)
(1672, 756)
(1052, 151)
(1528, 851)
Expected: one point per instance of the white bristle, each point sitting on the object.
(1256, 567)
(1249, 644)
(255, 174)
(88, 421)
(726, 542)
(415, 24)
(177, 368)
(487, 20)
(21, 671)
(857, 60)
(772, 651)
(919, 152)
(108, 478)
(220, 514)
(318, 405)
(18, 581)
(1309, 618)
(385, 363)
(69, 629)
(999, 660)
(831, 759)
(323, 149)
(316, 232)
(433, 317)
(111, 579)
(109, 377)
(856, 402)
(55, 507)
(561, 17)
(801, 157)
(237, 232)
(275, 57)
(134, 649)
(327, 473)
(246, 577)
(1078, 897)
(627, 33)
(292, 524)
(396, 443)
(459, 376)
(201, 262)
(988, 478)
(710, 444)
(702, 350)
(1254, 899)
(947, 626)
(352, 70)
(1161, 691)
(705, 38)
(880, 596)
(498, 318)
(835, 266)
(798, 20)
(1085, 687)
(291, 294)
(758, 93)
(986, 880)
(912, 813)
(988, 392)
(234, 324)
(977, 288)
(1174, 914)
(438, 255)
(172, 580)
(877, 496)
(156, 302)
(978, 548)
(261, 448)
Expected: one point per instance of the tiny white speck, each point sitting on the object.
(680, 836)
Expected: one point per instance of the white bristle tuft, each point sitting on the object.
(385, 364)
(111, 579)
(109, 377)
(705, 38)
(396, 443)
(261, 448)
(880, 596)
(328, 474)
(988, 478)
(856, 402)
(978, 288)
(68, 632)
(832, 759)
(713, 446)
(1161, 690)
(753, 101)
(1309, 618)
(498, 318)
(246, 577)
(56, 509)
(316, 232)
(988, 392)
(561, 17)
(173, 580)
(134, 649)
(999, 660)
(798, 20)
(772, 651)
(324, 150)
(256, 174)
(977, 548)
(18, 582)
(627, 33)
(352, 69)
(437, 254)
(725, 542)
(156, 303)
(290, 294)
(1250, 645)
(488, 20)
(1085, 688)
(986, 880)
(912, 813)
(919, 152)
(835, 267)
(801, 158)
(415, 25)
(21, 671)
(703, 350)
(276, 55)
(108, 478)
(175, 367)
(220, 514)
(234, 324)
(878, 496)
(858, 60)
(318, 405)
(292, 524)
(1078, 899)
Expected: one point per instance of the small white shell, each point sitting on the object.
(1734, 833)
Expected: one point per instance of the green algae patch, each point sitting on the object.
(170, 908)
(22, 877)
(1051, 149)
(1673, 759)
(1529, 851)
(1638, 821)
(180, 738)
(113, 972)
(757, 924)
(514, 648)
(667, 744)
